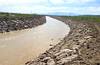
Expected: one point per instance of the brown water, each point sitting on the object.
(18, 47)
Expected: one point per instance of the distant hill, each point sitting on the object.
(62, 14)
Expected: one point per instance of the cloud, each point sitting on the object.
(86, 10)
(82, 1)
(6, 5)
(23, 6)
(94, 9)
(22, 1)
(34, 9)
(70, 1)
(7, 2)
(56, 1)
(44, 9)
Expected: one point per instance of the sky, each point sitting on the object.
(48, 6)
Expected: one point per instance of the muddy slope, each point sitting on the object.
(80, 47)
(8, 24)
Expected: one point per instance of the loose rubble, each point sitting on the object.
(80, 47)
(8, 24)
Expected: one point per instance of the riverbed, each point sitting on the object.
(18, 47)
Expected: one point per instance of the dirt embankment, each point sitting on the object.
(80, 47)
(8, 24)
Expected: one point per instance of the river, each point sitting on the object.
(18, 47)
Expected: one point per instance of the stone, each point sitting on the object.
(66, 60)
(51, 45)
(47, 58)
(14, 24)
(63, 51)
(50, 62)
(82, 41)
(78, 39)
(76, 47)
(87, 37)
(41, 63)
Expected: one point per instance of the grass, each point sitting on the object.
(2, 14)
(94, 18)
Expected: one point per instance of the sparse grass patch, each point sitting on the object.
(94, 18)
(2, 14)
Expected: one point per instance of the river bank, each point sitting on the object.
(8, 24)
(80, 47)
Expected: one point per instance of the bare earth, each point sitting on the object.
(80, 47)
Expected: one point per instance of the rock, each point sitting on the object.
(87, 37)
(41, 63)
(14, 24)
(76, 47)
(78, 34)
(89, 31)
(51, 45)
(78, 43)
(46, 58)
(63, 51)
(66, 60)
(82, 41)
(50, 62)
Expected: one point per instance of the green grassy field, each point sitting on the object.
(95, 18)
(2, 14)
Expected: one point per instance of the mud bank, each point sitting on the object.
(8, 24)
(80, 47)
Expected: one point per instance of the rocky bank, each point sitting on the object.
(80, 47)
(8, 24)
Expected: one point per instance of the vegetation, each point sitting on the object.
(2, 14)
(86, 17)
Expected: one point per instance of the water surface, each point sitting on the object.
(18, 47)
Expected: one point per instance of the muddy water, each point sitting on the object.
(18, 47)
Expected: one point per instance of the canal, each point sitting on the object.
(18, 47)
